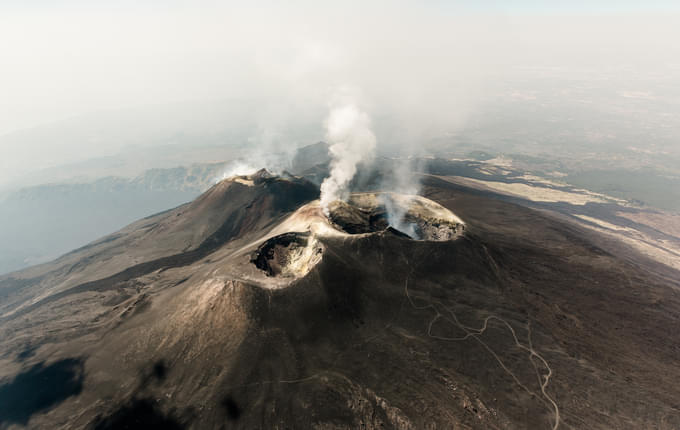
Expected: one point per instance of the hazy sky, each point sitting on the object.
(426, 64)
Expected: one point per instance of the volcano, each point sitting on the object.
(252, 308)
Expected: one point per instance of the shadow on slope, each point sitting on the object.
(39, 388)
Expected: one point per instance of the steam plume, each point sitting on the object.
(351, 141)
(400, 179)
(237, 168)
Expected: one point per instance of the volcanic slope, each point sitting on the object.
(248, 309)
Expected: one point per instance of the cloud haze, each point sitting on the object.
(423, 67)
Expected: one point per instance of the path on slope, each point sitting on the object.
(476, 333)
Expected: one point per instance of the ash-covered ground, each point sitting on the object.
(250, 307)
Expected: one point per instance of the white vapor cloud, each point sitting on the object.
(348, 131)
(400, 179)
(424, 68)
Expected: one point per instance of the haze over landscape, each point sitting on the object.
(393, 214)
(93, 91)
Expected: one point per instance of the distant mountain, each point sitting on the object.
(310, 156)
(42, 222)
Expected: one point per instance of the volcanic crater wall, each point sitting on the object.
(418, 218)
(288, 255)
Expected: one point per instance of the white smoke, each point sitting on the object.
(261, 156)
(400, 179)
(348, 131)
(237, 168)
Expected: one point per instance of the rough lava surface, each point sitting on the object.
(249, 308)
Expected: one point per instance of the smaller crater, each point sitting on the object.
(289, 255)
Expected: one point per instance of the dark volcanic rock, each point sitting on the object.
(523, 321)
(354, 220)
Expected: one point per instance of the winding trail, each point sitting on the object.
(448, 314)
(476, 333)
